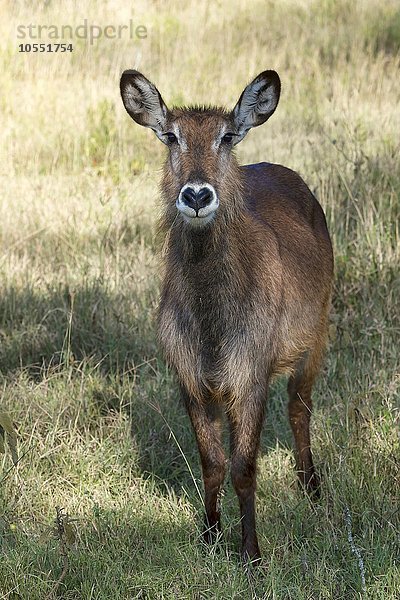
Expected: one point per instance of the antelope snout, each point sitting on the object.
(197, 203)
(198, 199)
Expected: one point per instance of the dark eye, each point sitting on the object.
(171, 137)
(228, 138)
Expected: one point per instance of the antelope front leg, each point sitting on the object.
(246, 419)
(212, 460)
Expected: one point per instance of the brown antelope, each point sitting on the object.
(247, 284)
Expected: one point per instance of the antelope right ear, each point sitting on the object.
(143, 102)
(257, 102)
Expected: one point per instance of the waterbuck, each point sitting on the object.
(247, 284)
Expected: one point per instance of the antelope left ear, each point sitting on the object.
(143, 102)
(257, 102)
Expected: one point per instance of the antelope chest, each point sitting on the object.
(209, 344)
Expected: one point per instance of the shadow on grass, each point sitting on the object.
(41, 330)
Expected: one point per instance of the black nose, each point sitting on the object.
(197, 200)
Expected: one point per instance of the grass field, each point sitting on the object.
(100, 429)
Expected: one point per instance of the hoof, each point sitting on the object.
(211, 532)
(311, 484)
(251, 555)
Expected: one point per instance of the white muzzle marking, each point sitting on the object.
(204, 215)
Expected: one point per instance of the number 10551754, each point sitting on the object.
(45, 48)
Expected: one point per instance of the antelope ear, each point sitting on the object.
(143, 102)
(257, 102)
